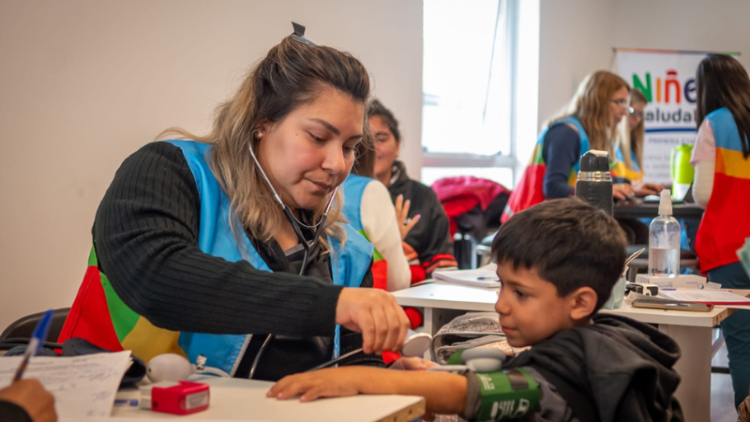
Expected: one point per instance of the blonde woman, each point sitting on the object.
(629, 149)
(232, 248)
(588, 122)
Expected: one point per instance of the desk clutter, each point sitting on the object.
(83, 386)
(675, 293)
(483, 277)
(176, 397)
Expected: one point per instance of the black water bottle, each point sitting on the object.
(594, 183)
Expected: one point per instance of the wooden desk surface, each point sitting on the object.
(464, 298)
(651, 210)
(235, 399)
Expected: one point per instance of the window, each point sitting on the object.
(467, 118)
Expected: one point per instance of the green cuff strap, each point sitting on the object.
(507, 394)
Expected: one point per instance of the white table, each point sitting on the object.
(235, 399)
(691, 330)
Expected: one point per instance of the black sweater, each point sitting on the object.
(11, 412)
(146, 240)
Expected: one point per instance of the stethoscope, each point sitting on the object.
(415, 345)
(319, 228)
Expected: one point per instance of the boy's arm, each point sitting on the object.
(444, 393)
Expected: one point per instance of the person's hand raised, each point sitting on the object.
(402, 214)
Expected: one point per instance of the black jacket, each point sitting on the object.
(430, 237)
(11, 412)
(620, 368)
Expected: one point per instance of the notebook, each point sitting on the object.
(476, 278)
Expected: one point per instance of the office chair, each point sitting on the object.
(24, 327)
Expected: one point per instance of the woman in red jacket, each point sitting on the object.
(722, 182)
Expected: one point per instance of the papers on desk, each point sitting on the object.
(83, 386)
(707, 296)
(476, 278)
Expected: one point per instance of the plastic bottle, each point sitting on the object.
(664, 241)
(594, 183)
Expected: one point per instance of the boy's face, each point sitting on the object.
(530, 308)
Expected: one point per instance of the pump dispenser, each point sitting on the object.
(664, 241)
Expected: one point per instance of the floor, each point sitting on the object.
(722, 395)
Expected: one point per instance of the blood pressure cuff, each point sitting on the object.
(501, 395)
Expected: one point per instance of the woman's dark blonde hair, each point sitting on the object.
(632, 140)
(722, 82)
(590, 105)
(292, 74)
(365, 164)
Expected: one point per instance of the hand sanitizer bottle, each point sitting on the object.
(664, 241)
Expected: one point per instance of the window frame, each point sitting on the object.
(510, 161)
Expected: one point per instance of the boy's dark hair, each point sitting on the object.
(568, 243)
(377, 109)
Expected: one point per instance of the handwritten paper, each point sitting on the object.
(83, 386)
(715, 297)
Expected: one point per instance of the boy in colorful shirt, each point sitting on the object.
(558, 262)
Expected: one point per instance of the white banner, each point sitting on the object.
(667, 79)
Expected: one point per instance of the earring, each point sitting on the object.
(258, 134)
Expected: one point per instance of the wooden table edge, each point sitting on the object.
(409, 413)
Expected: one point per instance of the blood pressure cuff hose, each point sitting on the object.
(501, 395)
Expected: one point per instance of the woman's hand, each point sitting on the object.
(33, 398)
(622, 191)
(375, 314)
(412, 364)
(402, 213)
(331, 382)
(645, 189)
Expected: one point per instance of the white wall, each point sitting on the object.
(85, 83)
(573, 42)
(719, 25)
(577, 36)
(527, 84)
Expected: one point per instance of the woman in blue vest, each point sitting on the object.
(231, 246)
(421, 218)
(368, 208)
(588, 122)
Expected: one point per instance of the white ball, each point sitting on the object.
(168, 367)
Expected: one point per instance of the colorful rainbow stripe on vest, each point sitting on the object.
(530, 189)
(726, 223)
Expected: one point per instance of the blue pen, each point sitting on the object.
(39, 337)
(487, 278)
(126, 402)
